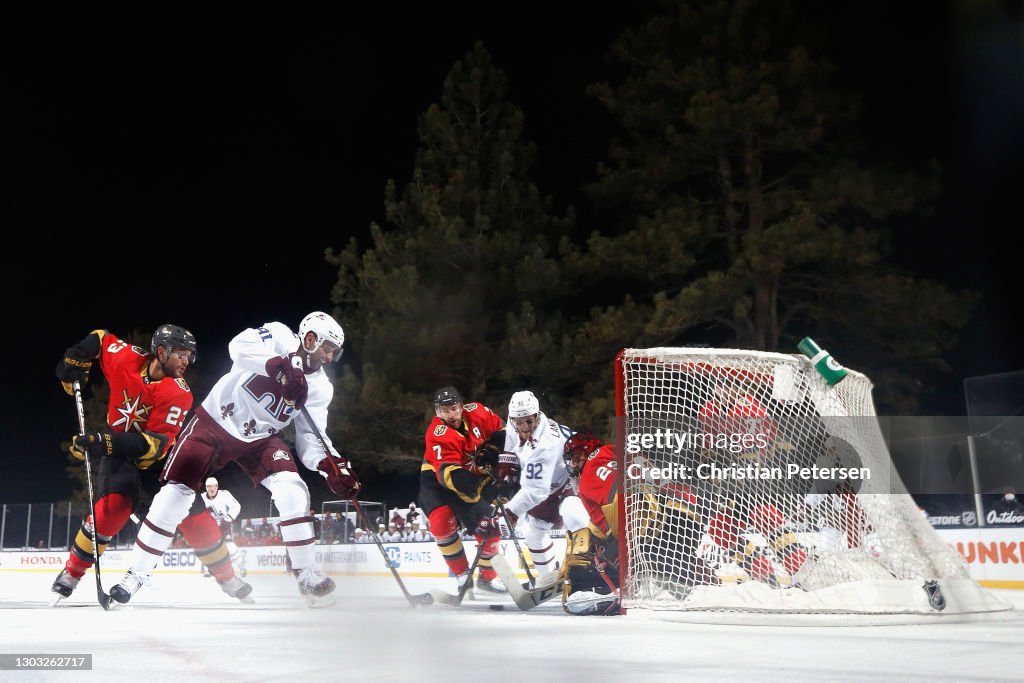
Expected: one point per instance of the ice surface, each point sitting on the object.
(184, 629)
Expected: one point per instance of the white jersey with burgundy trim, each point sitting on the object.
(224, 506)
(249, 405)
(543, 468)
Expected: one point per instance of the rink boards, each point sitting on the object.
(995, 557)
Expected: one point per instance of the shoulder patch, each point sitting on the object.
(439, 430)
(183, 384)
(470, 407)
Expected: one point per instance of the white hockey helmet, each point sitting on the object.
(523, 404)
(212, 481)
(325, 328)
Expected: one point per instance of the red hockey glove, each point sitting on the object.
(506, 475)
(341, 478)
(288, 372)
(487, 528)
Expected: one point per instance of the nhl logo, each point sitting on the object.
(935, 597)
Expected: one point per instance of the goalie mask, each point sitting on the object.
(577, 449)
(174, 337)
(325, 328)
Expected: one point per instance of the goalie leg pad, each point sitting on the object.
(586, 603)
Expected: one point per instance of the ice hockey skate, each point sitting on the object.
(317, 587)
(129, 585)
(494, 586)
(63, 586)
(236, 588)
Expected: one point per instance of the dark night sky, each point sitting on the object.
(140, 136)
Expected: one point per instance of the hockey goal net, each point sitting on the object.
(752, 485)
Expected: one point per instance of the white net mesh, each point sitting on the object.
(750, 484)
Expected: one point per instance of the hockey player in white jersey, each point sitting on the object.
(546, 496)
(274, 374)
(225, 509)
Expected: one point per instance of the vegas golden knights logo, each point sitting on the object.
(439, 430)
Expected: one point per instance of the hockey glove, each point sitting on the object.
(487, 528)
(76, 363)
(288, 373)
(94, 444)
(341, 478)
(507, 474)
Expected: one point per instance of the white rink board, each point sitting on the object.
(416, 560)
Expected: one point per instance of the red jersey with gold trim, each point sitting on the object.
(597, 485)
(447, 446)
(138, 403)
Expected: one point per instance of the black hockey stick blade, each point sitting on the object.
(526, 599)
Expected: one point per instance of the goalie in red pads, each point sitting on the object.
(591, 566)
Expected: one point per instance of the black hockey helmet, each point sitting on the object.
(174, 337)
(446, 396)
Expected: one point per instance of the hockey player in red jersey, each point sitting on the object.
(454, 490)
(149, 399)
(591, 553)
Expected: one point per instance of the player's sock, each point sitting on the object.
(202, 533)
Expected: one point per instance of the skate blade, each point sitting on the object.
(318, 602)
(57, 597)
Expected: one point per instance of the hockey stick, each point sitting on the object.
(419, 599)
(456, 600)
(526, 599)
(100, 594)
(519, 548)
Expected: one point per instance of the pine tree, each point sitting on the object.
(459, 285)
(746, 214)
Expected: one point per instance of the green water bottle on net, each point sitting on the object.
(822, 360)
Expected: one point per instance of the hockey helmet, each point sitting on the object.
(174, 337)
(577, 449)
(325, 328)
(447, 396)
(523, 404)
